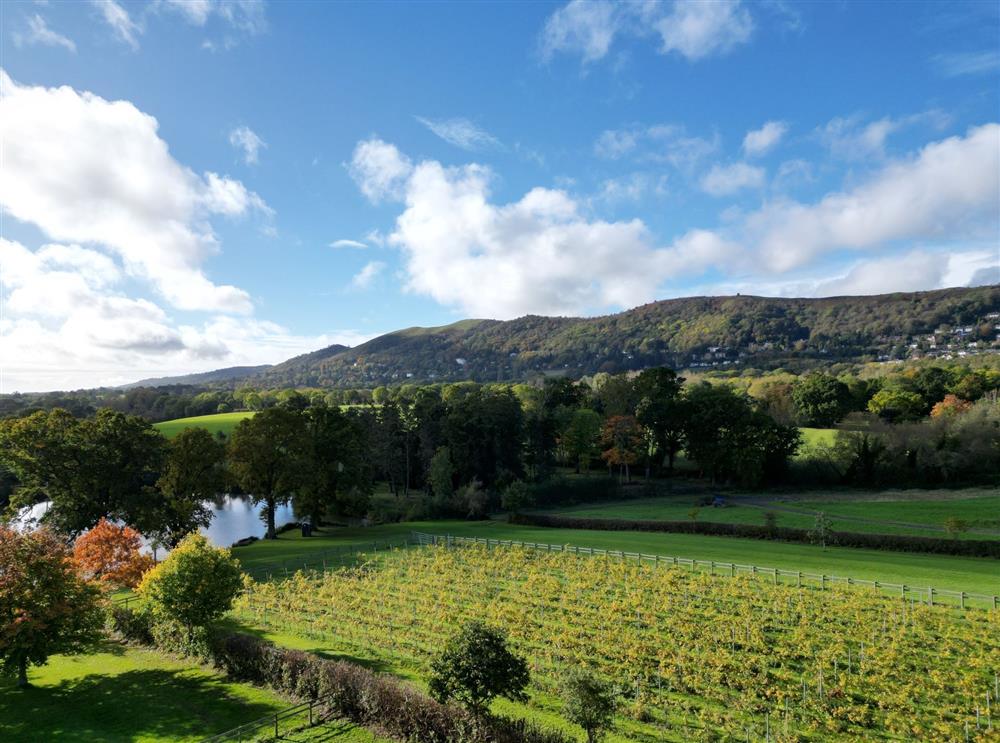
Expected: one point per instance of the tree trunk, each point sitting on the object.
(22, 673)
(271, 533)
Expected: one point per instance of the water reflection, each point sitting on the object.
(233, 518)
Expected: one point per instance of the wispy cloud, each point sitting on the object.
(364, 278)
(40, 33)
(244, 138)
(967, 63)
(345, 243)
(461, 133)
(121, 23)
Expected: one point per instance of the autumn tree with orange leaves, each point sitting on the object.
(110, 554)
(622, 440)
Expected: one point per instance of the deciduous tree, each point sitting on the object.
(45, 606)
(111, 555)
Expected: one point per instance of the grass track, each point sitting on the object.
(971, 574)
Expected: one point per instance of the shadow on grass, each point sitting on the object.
(312, 646)
(167, 704)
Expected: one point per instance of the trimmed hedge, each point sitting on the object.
(349, 691)
(895, 542)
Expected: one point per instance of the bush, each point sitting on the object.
(194, 586)
(131, 625)
(566, 491)
(896, 542)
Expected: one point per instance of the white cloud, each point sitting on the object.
(698, 28)
(364, 278)
(379, 169)
(461, 133)
(633, 187)
(344, 243)
(121, 23)
(246, 16)
(135, 199)
(695, 29)
(968, 63)
(660, 143)
(586, 27)
(950, 189)
(760, 141)
(850, 139)
(244, 138)
(40, 33)
(915, 270)
(723, 180)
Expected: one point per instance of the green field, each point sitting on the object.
(895, 512)
(124, 693)
(684, 667)
(224, 422)
(971, 574)
(818, 436)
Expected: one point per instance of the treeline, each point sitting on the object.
(465, 450)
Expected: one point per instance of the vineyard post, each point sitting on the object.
(822, 582)
(962, 599)
(798, 579)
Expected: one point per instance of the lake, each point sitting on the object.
(233, 518)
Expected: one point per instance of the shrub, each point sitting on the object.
(589, 703)
(194, 586)
(131, 625)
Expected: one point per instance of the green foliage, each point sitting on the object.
(820, 532)
(88, 468)
(441, 476)
(193, 473)
(821, 400)
(45, 607)
(581, 436)
(475, 666)
(268, 458)
(194, 586)
(897, 405)
(337, 478)
(516, 496)
(590, 703)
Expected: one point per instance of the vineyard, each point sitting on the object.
(695, 656)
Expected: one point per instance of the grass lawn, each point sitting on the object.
(979, 575)
(817, 437)
(224, 422)
(134, 694)
(980, 508)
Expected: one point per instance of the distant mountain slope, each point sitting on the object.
(695, 331)
(219, 375)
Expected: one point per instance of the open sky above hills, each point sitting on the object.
(195, 184)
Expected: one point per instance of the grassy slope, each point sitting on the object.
(133, 694)
(224, 422)
(978, 507)
(978, 575)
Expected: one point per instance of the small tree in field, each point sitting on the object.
(955, 526)
(590, 703)
(476, 666)
(194, 586)
(45, 606)
(821, 530)
(110, 555)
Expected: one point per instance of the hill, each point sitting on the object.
(684, 333)
(203, 378)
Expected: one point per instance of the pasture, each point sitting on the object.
(694, 656)
(920, 513)
(219, 422)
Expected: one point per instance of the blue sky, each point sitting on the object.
(191, 185)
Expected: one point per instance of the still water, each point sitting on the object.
(233, 518)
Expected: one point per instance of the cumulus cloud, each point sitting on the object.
(761, 141)
(461, 133)
(135, 199)
(40, 33)
(723, 180)
(698, 29)
(125, 29)
(543, 254)
(364, 278)
(950, 188)
(379, 169)
(692, 28)
(245, 139)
